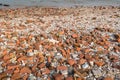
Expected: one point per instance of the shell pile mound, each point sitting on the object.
(60, 43)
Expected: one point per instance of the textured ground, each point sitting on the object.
(60, 43)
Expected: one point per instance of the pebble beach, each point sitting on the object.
(46, 43)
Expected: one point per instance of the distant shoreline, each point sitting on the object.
(59, 4)
(27, 7)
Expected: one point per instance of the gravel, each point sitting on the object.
(60, 43)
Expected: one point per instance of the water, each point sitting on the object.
(59, 3)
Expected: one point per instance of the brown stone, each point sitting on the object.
(61, 68)
(96, 57)
(71, 61)
(1, 40)
(80, 79)
(41, 65)
(16, 76)
(46, 71)
(87, 50)
(108, 78)
(118, 40)
(6, 57)
(38, 74)
(105, 46)
(67, 41)
(22, 58)
(2, 75)
(12, 67)
(61, 32)
(9, 71)
(63, 52)
(74, 35)
(88, 56)
(48, 78)
(58, 77)
(78, 48)
(49, 58)
(107, 43)
(99, 63)
(36, 45)
(11, 43)
(79, 73)
(99, 49)
(17, 70)
(82, 61)
(81, 55)
(34, 67)
(4, 52)
(69, 78)
(6, 63)
(25, 77)
(25, 70)
(114, 58)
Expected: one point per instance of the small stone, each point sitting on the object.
(31, 77)
(87, 50)
(36, 45)
(10, 71)
(1, 40)
(58, 55)
(117, 77)
(97, 73)
(2, 75)
(82, 61)
(100, 78)
(118, 40)
(108, 78)
(16, 76)
(49, 59)
(71, 61)
(61, 32)
(116, 36)
(1, 69)
(88, 56)
(16, 70)
(25, 70)
(12, 67)
(78, 48)
(64, 72)
(61, 68)
(22, 58)
(116, 66)
(74, 35)
(99, 63)
(69, 78)
(70, 71)
(6, 78)
(80, 79)
(58, 77)
(91, 63)
(53, 41)
(85, 65)
(48, 64)
(81, 56)
(74, 55)
(46, 71)
(25, 76)
(6, 57)
(30, 53)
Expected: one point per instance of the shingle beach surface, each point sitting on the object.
(60, 43)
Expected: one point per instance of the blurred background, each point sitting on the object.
(58, 3)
